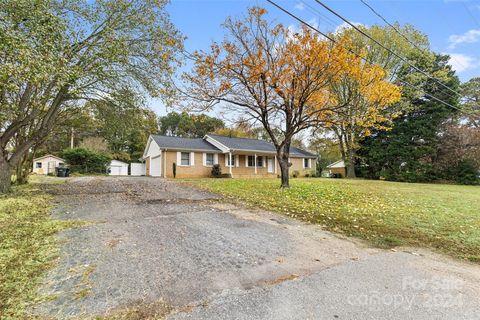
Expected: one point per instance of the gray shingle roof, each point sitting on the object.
(183, 143)
(256, 145)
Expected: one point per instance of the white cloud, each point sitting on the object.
(471, 36)
(345, 25)
(461, 62)
(300, 6)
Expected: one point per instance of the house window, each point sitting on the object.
(251, 161)
(232, 159)
(38, 165)
(209, 159)
(185, 159)
(306, 163)
(259, 161)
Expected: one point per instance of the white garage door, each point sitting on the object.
(118, 171)
(156, 166)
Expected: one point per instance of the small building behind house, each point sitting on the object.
(338, 167)
(47, 164)
(137, 169)
(118, 168)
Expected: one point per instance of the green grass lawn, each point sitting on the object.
(444, 217)
(27, 246)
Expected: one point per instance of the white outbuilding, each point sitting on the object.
(118, 168)
(47, 164)
(137, 169)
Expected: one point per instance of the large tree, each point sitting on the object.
(125, 122)
(57, 53)
(409, 150)
(362, 98)
(188, 125)
(471, 101)
(268, 74)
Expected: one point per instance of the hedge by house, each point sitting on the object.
(86, 161)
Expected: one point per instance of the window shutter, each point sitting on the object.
(215, 158)
(237, 160)
(226, 159)
(192, 158)
(264, 161)
(179, 158)
(246, 161)
(204, 159)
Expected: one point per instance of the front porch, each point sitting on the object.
(244, 164)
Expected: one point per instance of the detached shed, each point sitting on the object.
(47, 164)
(118, 168)
(338, 167)
(137, 169)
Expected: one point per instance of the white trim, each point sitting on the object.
(215, 158)
(164, 162)
(216, 143)
(191, 162)
(237, 160)
(52, 156)
(205, 159)
(179, 158)
(255, 158)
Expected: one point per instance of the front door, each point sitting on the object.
(270, 165)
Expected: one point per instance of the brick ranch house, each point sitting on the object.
(238, 157)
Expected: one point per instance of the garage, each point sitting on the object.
(118, 168)
(156, 166)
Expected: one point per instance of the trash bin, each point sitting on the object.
(63, 172)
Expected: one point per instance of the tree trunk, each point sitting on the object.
(350, 164)
(284, 173)
(284, 165)
(5, 175)
(22, 170)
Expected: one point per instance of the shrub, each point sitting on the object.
(216, 171)
(295, 174)
(86, 161)
(466, 172)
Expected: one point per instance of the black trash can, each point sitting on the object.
(63, 172)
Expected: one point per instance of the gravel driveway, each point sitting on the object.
(153, 240)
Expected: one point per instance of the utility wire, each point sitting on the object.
(388, 49)
(358, 55)
(471, 14)
(398, 31)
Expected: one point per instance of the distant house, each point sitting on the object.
(239, 157)
(338, 167)
(47, 164)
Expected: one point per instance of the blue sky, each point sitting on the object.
(453, 26)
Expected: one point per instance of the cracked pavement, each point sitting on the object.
(154, 240)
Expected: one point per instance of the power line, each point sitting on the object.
(398, 31)
(471, 15)
(355, 53)
(388, 49)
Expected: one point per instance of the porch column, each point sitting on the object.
(230, 162)
(275, 164)
(255, 158)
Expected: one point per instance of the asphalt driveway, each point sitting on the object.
(153, 240)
